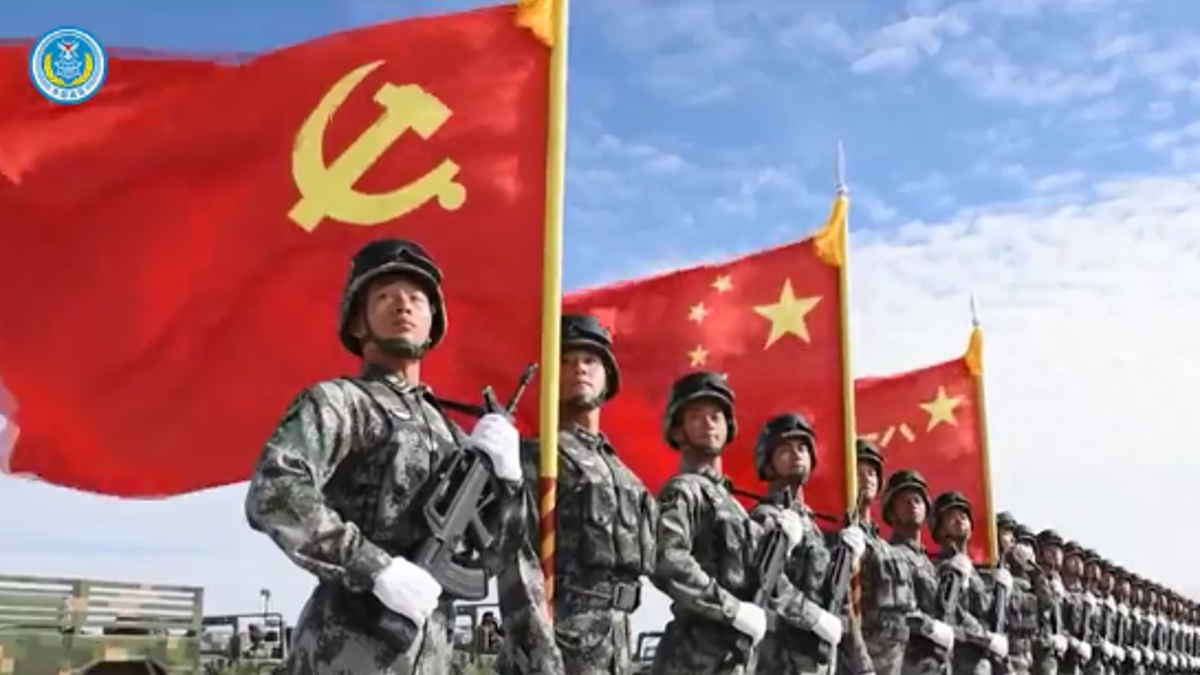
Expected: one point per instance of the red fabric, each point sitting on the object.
(653, 334)
(946, 450)
(161, 308)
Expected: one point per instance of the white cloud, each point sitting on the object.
(1092, 314)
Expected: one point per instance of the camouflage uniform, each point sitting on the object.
(336, 485)
(790, 650)
(1122, 636)
(604, 533)
(1023, 621)
(1051, 645)
(1000, 611)
(707, 554)
(1104, 618)
(963, 600)
(1076, 609)
(899, 591)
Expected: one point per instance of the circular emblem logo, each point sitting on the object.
(68, 65)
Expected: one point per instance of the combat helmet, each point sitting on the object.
(899, 481)
(946, 502)
(778, 428)
(1023, 534)
(1006, 521)
(866, 451)
(695, 386)
(1049, 537)
(391, 256)
(1072, 549)
(583, 331)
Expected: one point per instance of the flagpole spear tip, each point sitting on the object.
(974, 312)
(840, 170)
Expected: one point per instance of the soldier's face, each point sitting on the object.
(1051, 556)
(582, 378)
(956, 525)
(1073, 565)
(908, 508)
(704, 426)
(1092, 571)
(868, 480)
(396, 308)
(792, 458)
(1006, 539)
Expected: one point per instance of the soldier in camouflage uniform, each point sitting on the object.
(1077, 608)
(1029, 587)
(963, 600)
(1123, 624)
(854, 658)
(785, 456)
(335, 485)
(708, 546)
(1051, 645)
(605, 518)
(1139, 627)
(1099, 582)
(899, 588)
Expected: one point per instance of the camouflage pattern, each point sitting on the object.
(899, 591)
(1051, 593)
(604, 544)
(1023, 618)
(1075, 609)
(335, 489)
(789, 650)
(707, 549)
(970, 655)
(52, 625)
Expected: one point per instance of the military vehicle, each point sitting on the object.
(244, 644)
(643, 656)
(92, 627)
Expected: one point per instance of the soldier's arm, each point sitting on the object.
(285, 499)
(529, 644)
(677, 573)
(790, 603)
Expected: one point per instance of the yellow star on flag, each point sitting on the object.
(697, 312)
(788, 315)
(723, 283)
(698, 356)
(941, 409)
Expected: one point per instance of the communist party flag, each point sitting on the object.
(171, 286)
(770, 321)
(932, 420)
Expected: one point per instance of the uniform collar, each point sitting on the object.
(394, 381)
(595, 441)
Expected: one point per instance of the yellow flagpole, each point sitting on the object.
(548, 20)
(974, 361)
(833, 246)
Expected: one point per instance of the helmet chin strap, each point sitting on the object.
(399, 348)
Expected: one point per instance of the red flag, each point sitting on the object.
(770, 321)
(168, 290)
(929, 420)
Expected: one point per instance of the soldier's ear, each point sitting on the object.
(358, 325)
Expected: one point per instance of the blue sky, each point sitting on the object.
(1042, 154)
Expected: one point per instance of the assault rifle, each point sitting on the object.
(771, 568)
(999, 618)
(837, 580)
(460, 490)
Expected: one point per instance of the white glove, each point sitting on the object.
(828, 627)
(498, 438)
(408, 590)
(1135, 655)
(1119, 654)
(1003, 579)
(1160, 658)
(1056, 585)
(1084, 650)
(1123, 609)
(1090, 600)
(1152, 619)
(854, 539)
(962, 564)
(1059, 643)
(792, 526)
(1023, 553)
(1107, 649)
(750, 620)
(942, 634)
(1172, 660)
(998, 645)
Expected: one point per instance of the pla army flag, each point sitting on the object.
(171, 282)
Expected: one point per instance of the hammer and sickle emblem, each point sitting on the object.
(328, 191)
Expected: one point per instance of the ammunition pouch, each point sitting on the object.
(622, 596)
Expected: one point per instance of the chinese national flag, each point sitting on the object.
(168, 288)
(930, 420)
(770, 321)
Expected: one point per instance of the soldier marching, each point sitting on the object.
(337, 489)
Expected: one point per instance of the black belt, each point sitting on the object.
(623, 596)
